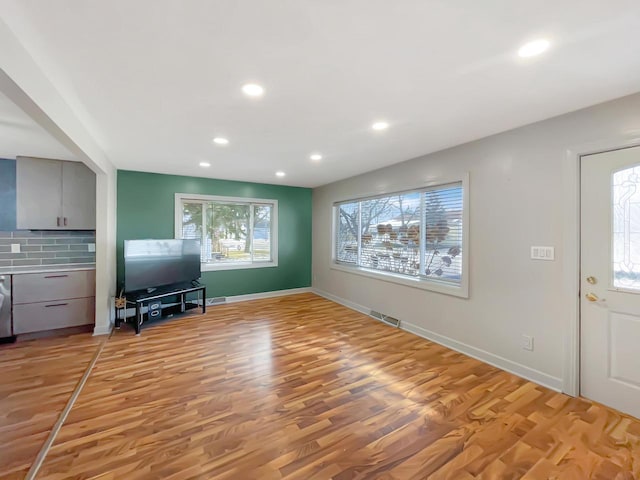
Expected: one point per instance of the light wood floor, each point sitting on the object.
(37, 379)
(302, 388)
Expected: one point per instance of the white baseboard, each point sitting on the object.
(502, 363)
(257, 296)
(554, 383)
(102, 330)
(347, 303)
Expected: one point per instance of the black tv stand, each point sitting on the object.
(142, 297)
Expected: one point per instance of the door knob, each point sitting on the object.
(592, 297)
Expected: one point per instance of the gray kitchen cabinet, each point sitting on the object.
(47, 301)
(51, 286)
(78, 196)
(38, 317)
(38, 194)
(54, 195)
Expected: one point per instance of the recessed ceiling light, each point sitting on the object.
(221, 141)
(205, 164)
(280, 174)
(253, 90)
(380, 126)
(316, 157)
(536, 47)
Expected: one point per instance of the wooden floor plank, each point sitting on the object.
(299, 387)
(37, 378)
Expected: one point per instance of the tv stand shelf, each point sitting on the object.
(142, 298)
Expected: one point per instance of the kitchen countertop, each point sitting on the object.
(47, 268)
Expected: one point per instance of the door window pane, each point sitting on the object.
(626, 228)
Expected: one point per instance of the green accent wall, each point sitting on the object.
(146, 206)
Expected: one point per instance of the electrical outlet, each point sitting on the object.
(527, 342)
(15, 248)
(92, 247)
(542, 253)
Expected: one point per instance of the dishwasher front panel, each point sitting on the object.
(5, 306)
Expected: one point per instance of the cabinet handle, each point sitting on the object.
(56, 305)
(65, 221)
(56, 276)
(58, 220)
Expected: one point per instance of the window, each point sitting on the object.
(416, 235)
(626, 228)
(233, 232)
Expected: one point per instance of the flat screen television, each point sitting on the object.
(149, 264)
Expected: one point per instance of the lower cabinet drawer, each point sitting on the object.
(35, 317)
(45, 287)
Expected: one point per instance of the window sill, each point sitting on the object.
(461, 291)
(209, 267)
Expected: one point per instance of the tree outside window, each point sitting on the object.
(416, 233)
(230, 232)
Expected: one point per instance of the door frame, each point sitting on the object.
(571, 248)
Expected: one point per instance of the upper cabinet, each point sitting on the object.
(54, 195)
(78, 196)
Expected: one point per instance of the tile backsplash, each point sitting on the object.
(47, 247)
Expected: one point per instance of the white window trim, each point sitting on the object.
(209, 267)
(431, 284)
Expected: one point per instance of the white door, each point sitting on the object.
(610, 279)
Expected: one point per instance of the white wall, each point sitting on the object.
(517, 195)
(106, 187)
(23, 81)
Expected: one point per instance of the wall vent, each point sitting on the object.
(216, 300)
(394, 322)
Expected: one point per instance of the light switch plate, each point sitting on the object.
(542, 253)
(92, 247)
(15, 248)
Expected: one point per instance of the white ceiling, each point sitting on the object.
(20, 135)
(155, 80)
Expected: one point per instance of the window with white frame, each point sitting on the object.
(417, 234)
(233, 232)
